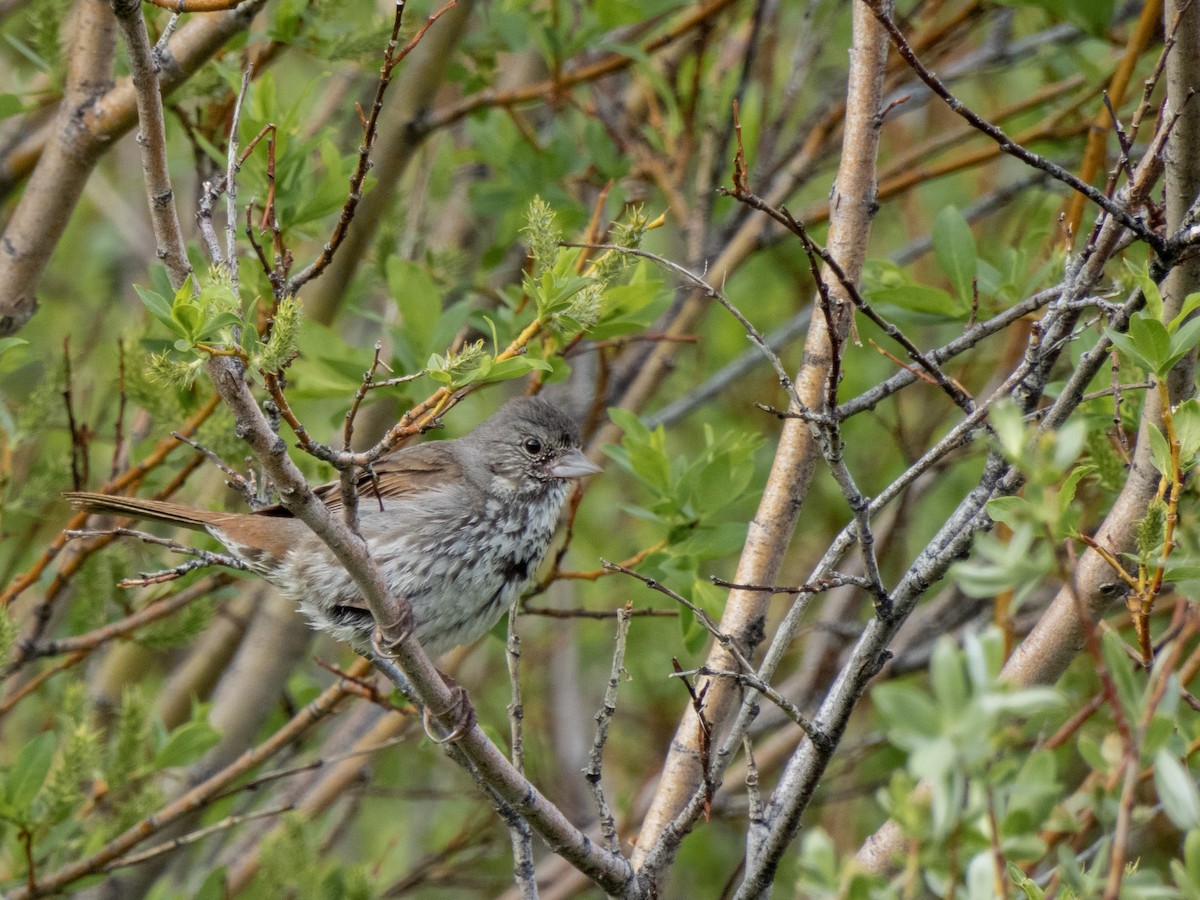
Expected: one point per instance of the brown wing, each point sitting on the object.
(406, 471)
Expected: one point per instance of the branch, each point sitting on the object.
(678, 801)
(92, 115)
(391, 58)
(152, 140)
(592, 773)
(1005, 143)
(194, 799)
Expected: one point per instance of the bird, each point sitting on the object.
(457, 527)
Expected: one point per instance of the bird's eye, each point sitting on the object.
(533, 446)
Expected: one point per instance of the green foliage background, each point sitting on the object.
(469, 246)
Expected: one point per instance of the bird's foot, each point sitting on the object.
(460, 708)
(386, 639)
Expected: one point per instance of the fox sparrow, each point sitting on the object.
(464, 525)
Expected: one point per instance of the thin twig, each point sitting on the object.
(592, 773)
(225, 824)
(785, 705)
(520, 835)
(391, 58)
(704, 743)
(702, 617)
(231, 171)
(785, 380)
(1005, 143)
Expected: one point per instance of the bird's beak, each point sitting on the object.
(574, 464)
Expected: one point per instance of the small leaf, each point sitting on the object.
(907, 710)
(1190, 572)
(1023, 703)
(1113, 648)
(1125, 344)
(1010, 511)
(1186, 417)
(948, 678)
(713, 541)
(1190, 303)
(158, 306)
(1154, 301)
(189, 320)
(954, 247)
(1153, 343)
(217, 324)
(919, 303)
(1160, 451)
(1028, 886)
(29, 771)
(629, 423)
(186, 744)
(513, 367)
(1066, 493)
(10, 105)
(1182, 342)
(9, 343)
(1177, 791)
(1010, 428)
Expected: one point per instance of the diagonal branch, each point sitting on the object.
(1004, 142)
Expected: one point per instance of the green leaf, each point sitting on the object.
(1119, 665)
(1126, 345)
(629, 423)
(1024, 703)
(420, 303)
(1068, 444)
(1191, 855)
(918, 303)
(1066, 494)
(695, 635)
(1190, 303)
(29, 771)
(907, 711)
(1160, 451)
(1190, 572)
(1182, 342)
(513, 367)
(158, 306)
(713, 541)
(1011, 511)
(1154, 301)
(217, 324)
(1186, 417)
(1150, 339)
(709, 597)
(188, 320)
(954, 247)
(1010, 429)
(186, 744)
(1028, 886)
(9, 343)
(947, 676)
(1177, 791)
(10, 105)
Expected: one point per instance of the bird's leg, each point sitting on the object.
(388, 636)
(460, 706)
(386, 639)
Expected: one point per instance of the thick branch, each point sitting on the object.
(772, 527)
(91, 116)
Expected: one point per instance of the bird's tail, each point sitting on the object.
(158, 510)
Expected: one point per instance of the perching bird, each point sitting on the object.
(464, 526)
